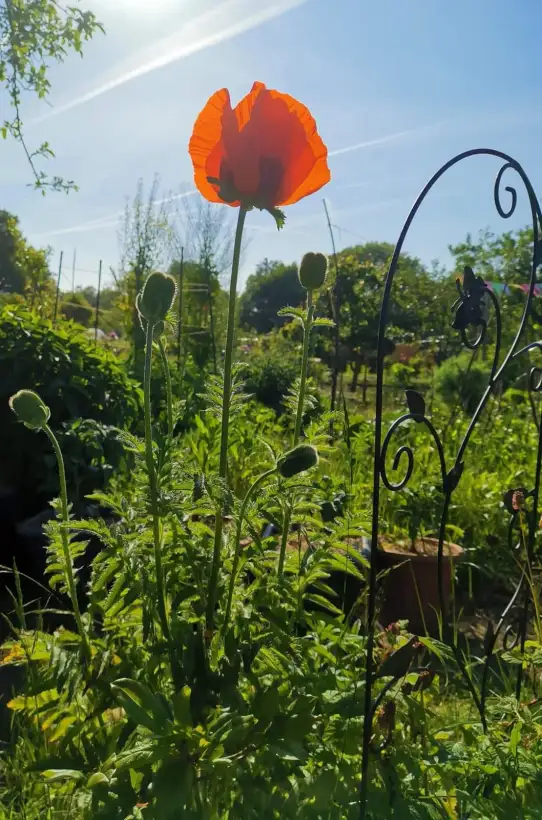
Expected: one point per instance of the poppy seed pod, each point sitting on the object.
(295, 461)
(313, 270)
(30, 409)
(156, 297)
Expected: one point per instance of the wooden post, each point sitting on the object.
(58, 286)
(98, 303)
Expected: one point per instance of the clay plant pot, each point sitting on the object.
(410, 588)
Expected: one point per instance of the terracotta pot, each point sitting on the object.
(411, 587)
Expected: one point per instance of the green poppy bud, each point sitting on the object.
(313, 270)
(295, 461)
(30, 409)
(156, 297)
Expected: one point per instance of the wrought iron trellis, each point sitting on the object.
(472, 310)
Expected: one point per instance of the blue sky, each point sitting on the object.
(396, 86)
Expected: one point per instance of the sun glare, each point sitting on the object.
(140, 7)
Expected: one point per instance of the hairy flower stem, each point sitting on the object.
(65, 542)
(307, 328)
(237, 552)
(167, 379)
(157, 535)
(226, 402)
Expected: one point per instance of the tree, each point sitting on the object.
(12, 278)
(418, 308)
(204, 311)
(145, 242)
(23, 269)
(273, 286)
(76, 308)
(204, 234)
(39, 286)
(503, 260)
(34, 33)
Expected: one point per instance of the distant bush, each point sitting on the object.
(457, 381)
(462, 383)
(268, 375)
(77, 380)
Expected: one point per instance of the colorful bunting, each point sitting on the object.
(503, 288)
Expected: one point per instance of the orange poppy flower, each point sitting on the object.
(264, 153)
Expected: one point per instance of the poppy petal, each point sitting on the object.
(261, 144)
(206, 148)
(282, 130)
(243, 110)
(306, 165)
(319, 176)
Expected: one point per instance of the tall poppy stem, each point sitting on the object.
(167, 379)
(226, 403)
(70, 578)
(307, 328)
(304, 363)
(237, 551)
(153, 487)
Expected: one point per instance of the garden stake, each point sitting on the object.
(472, 310)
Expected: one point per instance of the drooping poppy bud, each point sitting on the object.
(313, 270)
(157, 297)
(301, 458)
(30, 409)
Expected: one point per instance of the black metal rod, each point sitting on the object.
(452, 478)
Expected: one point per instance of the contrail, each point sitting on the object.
(230, 19)
(110, 221)
(388, 138)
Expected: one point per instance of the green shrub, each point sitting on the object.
(269, 375)
(462, 382)
(76, 379)
(458, 383)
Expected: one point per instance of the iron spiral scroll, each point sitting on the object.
(472, 310)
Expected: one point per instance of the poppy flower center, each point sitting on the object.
(271, 176)
(264, 195)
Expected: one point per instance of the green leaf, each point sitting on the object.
(97, 779)
(515, 737)
(140, 704)
(181, 706)
(138, 756)
(279, 217)
(323, 602)
(295, 313)
(53, 775)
